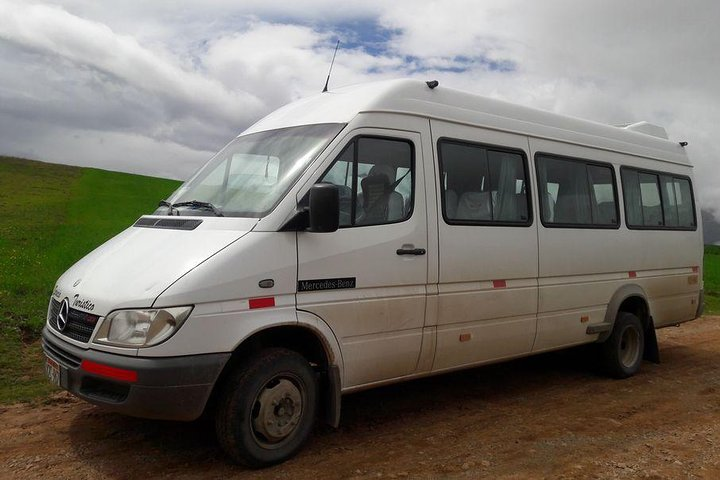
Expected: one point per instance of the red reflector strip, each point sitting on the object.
(499, 284)
(696, 269)
(262, 302)
(108, 371)
(632, 274)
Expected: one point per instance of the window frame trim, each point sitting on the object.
(658, 174)
(355, 186)
(487, 146)
(586, 162)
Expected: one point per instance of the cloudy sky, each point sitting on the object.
(155, 87)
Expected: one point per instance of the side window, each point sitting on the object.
(576, 193)
(375, 177)
(481, 185)
(602, 195)
(683, 195)
(669, 201)
(631, 195)
(650, 199)
(657, 200)
(341, 174)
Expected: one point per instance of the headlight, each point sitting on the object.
(141, 328)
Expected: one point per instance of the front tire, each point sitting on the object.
(267, 408)
(622, 353)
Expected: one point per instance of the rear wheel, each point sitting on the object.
(267, 408)
(622, 353)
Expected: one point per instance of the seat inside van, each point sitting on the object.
(378, 199)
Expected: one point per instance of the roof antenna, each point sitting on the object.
(331, 65)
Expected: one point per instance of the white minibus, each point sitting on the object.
(375, 234)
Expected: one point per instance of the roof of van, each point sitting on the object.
(414, 97)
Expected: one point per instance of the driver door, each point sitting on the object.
(368, 279)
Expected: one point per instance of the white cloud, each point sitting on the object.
(53, 31)
(181, 80)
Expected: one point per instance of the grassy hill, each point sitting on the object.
(712, 279)
(52, 215)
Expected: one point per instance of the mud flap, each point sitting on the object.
(331, 398)
(652, 351)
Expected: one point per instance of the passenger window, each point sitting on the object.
(572, 200)
(650, 199)
(631, 194)
(576, 193)
(670, 210)
(686, 215)
(657, 200)
(375, 177)
(482, 185)
(604, 208)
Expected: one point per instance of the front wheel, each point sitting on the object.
(622, 353)
(267, 408)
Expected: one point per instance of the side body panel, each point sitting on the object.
(487, 288)
(222, 288)
(581, 269)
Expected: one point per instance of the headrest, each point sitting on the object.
(385, 170)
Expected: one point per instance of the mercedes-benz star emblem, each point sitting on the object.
(62, 316)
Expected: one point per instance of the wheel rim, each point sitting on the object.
(629, 347)
(277, 411)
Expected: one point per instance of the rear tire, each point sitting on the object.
(267, 408)
(622, 353)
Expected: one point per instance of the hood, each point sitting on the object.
(133, 268)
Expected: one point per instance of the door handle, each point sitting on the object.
(410, 251)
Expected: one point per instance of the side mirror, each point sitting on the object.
(324, 208)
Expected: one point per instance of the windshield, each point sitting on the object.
(252, 173)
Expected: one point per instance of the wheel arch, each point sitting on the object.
(310, 337)
(628, 298)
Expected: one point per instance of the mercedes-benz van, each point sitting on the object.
(374, 234)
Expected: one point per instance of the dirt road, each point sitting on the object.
(542, 417)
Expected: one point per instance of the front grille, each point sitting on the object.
(53, 310)
(60, 355)
(80, 325)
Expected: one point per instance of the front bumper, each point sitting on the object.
(176, 388)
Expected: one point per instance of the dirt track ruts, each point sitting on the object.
(540, 417)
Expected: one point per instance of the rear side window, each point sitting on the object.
(685, 203)
(656, 200)
(483, 185)
(375, 177)
(576, 193)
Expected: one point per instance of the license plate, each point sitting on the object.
(52, 370)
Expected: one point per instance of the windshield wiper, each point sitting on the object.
(199, 205)
(165, 203)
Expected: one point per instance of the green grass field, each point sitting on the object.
(712, 279)
(52, 215)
